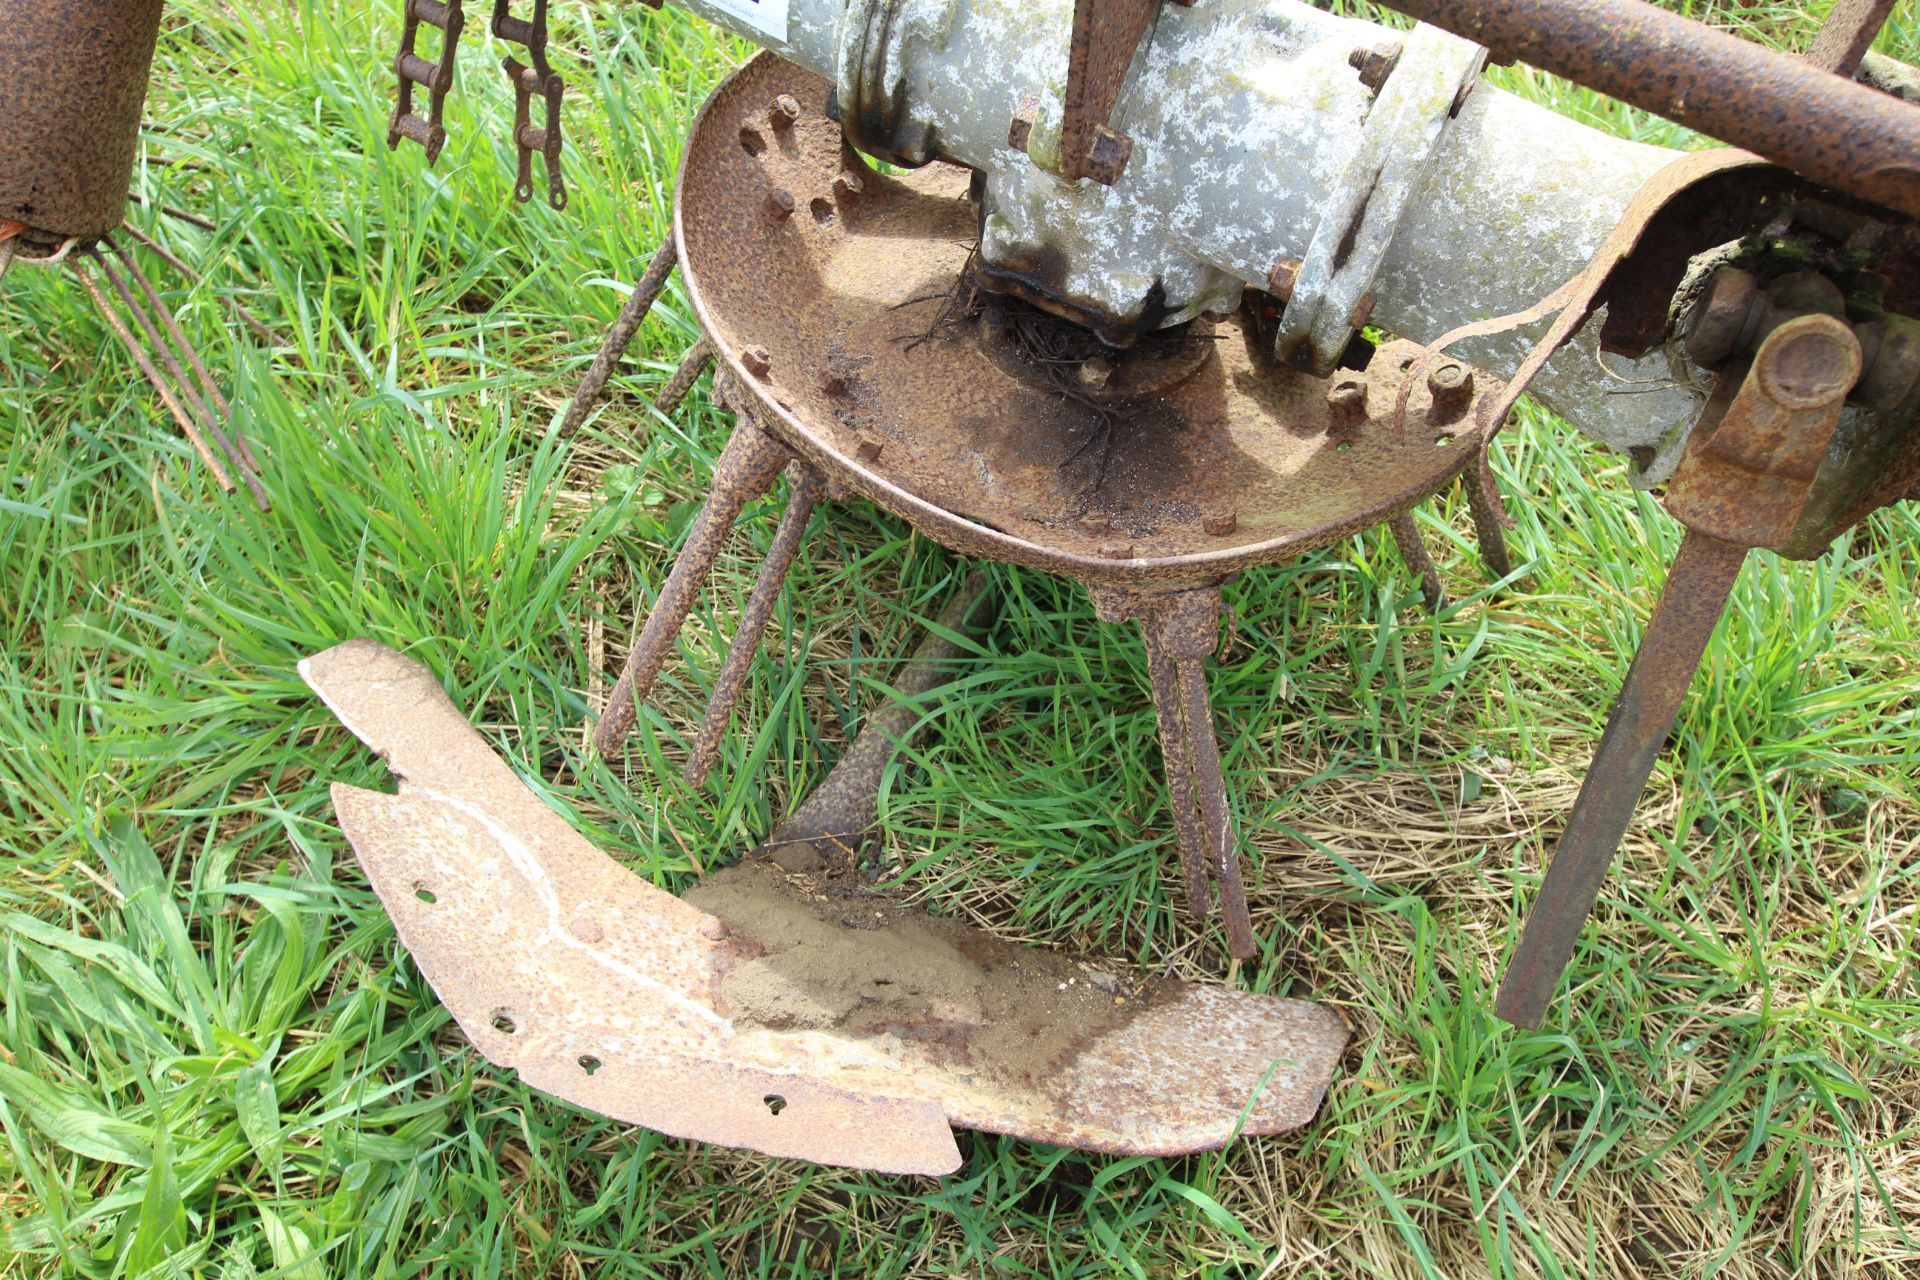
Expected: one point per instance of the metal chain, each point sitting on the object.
(413, 69)
(530, 81)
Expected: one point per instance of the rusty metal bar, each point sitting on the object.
(691, 366)
(1690, 605)
(1177, 763)
(1210, 791)
(807, 486)
(1826, 127)
(1490, 517)
(1413, 549)
(840, 814)
(1847, 34)
(747, 468)
(645, 291)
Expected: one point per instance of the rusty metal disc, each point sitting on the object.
(834, 293)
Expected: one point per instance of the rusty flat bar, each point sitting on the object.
(1689, 609)
(1823, 126)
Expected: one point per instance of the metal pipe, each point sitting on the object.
(73, 80)
(1822, 126)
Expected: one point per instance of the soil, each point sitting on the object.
(823, 951)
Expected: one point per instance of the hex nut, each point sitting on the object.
(1280, 280)
(869, 448)
(757, 361)
(780, 205)
(783, 111)
(1220, 524)
(1451, 385)
(1347, 402)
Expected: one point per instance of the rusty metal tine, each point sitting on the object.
(645, 292)
(1406, 536)
(235, 443)
(167, 256)
(1690, 606)
(140, 358)
(209, 419)
(1210, 791)
(747, 468)
(840, 813)
(692, 365)
(1176, 755)
(1490, 519)
(806, 488)
(1847, 34)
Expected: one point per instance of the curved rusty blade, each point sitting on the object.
(794, 1017)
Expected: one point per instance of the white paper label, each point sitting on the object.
(768, 17)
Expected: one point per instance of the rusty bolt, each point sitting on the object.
(1280, 279)
(1347, 401)
(1374, 65)
(1096, 523)
(1095, 372)
(847, 187)
(1117, 551)
(870, 447)
(1362, 312)
(780, 205)
(1107, 158)
(1022, 127)
(783, 111)
(1452, 386)
(757, 361)
(1720, 316)
(1221, 523)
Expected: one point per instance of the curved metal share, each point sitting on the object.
(797, 1018)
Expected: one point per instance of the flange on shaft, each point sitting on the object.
(864, 361)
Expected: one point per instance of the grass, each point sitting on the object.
(216, 1060)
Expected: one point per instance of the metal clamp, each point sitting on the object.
(437, 79)
(1418, 93)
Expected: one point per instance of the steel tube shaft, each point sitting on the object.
(1683, 622)
(1823, 126)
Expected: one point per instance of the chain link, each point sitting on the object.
(437, 79)
(530, 81)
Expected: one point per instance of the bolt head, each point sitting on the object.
(783, 111)
(780, 205)
(757, 361)
(1108, 158)
(1719, 317)
(1095, 372)
(1220, 524)
(870, 447)
(1021, 127)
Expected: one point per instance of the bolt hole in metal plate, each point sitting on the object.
(847, 305)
